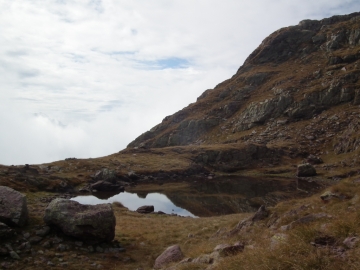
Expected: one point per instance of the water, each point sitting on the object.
(226, 195)
(132, 201)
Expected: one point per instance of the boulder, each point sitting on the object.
(171, 254)
(226, 249)
(305, 170)
(105, 175)
(107, 186)
(90, 223)
(13, 207)
(350, 242)
(145, 209)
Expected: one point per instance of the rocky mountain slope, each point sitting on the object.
(297, 94)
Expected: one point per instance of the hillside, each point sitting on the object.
(295, 100)
(296, 94)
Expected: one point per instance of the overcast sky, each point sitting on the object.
(83, 78)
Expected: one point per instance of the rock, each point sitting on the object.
(305, 170)
(171, 254)
(328, 195)
(260, 214)
(314, 159)
(13, 207)
(35, 239)
(43, 231)
(5, 231)
(90, 223)
(278, 239)
(14, 255)
(145, 209)
(350, 242)
(105, 175)
(107, 186)
(226, 250)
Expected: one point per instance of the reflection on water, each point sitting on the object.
(202, 198)
(132, 201)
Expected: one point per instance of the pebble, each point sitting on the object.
(14, 255)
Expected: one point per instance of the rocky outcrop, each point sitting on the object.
(235, 158)
(171, 254)
(90, 223)
(305, 170)
(13, 207)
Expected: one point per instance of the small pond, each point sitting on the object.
(203, 198)
(132, 201)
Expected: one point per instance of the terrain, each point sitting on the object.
(295, 100)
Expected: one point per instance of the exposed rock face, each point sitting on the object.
(13, 207)
(171, 254)
(305, 170)
(265, 93)
(91, 223)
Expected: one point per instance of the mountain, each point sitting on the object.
(297, 94)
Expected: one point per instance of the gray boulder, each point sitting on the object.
(13, 207)
(171, 254)
(145, 209)
(90, 223)
(305, 170)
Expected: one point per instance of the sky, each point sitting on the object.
(83, 78)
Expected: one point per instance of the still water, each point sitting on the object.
(132, 201)
(225, 195)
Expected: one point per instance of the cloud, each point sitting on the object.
(110, 70)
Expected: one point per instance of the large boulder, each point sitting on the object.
(171, 254)
(305, 170)
(145, 209)
(13, 207)
(90, 223)
(107, 186)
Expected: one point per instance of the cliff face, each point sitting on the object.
(300, 86)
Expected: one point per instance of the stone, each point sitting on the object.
(90, 223)
(328, 195)
(171, 254)
(35, 239)
(43, 231)
(5, 231)
(260, 214)
(145, 209)
(305, 170)
(14, 255)
(13, 207)
(314, 159)
(107, 186)
(226, 250)
(105, 175)
(350, 242)
(278, 239)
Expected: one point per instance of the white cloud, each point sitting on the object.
(99, 67)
